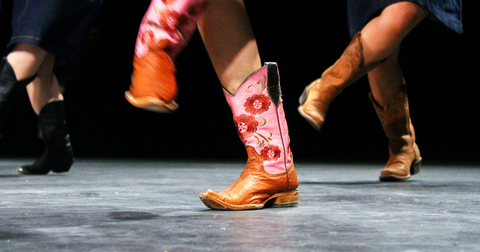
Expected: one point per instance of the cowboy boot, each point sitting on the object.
(317, 96)
(405, 157)
(58, 154)
(10, 90)
(269, 178)
(164, 32)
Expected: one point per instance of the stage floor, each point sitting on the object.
(126, 205)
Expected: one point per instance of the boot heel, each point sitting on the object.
(415, 168)
(286, 199)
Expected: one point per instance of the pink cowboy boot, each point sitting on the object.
(164, 32)
(269, 177)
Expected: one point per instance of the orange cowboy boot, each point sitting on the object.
(317, 96)
(164, 32)
(405, 159)
(269, 178)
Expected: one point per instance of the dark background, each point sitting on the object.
(304, 37)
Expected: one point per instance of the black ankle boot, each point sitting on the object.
(58, 155)
(10, 90)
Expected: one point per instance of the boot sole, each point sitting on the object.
(414, 169)
(151, 103)
(280, 200)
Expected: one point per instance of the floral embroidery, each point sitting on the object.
(246, 125)
(259, 86)
(168, 18)
(172, 21)
(147, 36)
(257, 104)
(270, 153)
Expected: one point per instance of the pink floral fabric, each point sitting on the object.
(172, 20)
(260, 123)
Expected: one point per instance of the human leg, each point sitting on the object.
(230, 42)
(47, 102)
(165, 30)
(45, 87)
(369, 48)
(389, 98)
(269, 177)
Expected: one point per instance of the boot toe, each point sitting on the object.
(212, 200)
(24, 170)
(393, 175)
(313, 118)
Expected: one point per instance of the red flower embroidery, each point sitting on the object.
(257, 104)
(147, 37)
(168, 19)
(246, 125)
(270, 153)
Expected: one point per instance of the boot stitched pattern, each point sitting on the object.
(176, 18)
(248, 124)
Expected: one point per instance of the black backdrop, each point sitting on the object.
(304, 38)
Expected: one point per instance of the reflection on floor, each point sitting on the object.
(122, 205)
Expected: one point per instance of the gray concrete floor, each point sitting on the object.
(119, 205)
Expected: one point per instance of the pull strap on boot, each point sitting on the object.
(164, 32)
(10, 90)
(405, 159)
(269, 178)
(58, 154)
(317, 96)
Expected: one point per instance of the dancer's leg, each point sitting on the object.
(230, 42)
(269, 177)
(381, 39)
(165, 30)
(383, 34)
(389, 94)
(26, 59)
(47, 102)
(45, 87)
(378, 40)
(18, 69)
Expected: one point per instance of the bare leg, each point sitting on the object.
(45, 87)
(230, 42)
(389, 96)
(381, 39)
(26, 59)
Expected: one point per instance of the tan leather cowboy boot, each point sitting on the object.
(317, 96)
(405, 157)
(269, 178)
(164, 32)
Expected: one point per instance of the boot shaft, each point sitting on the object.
(396, 122)
(260, 119)
(349, 67)
(10, 87)
(172, 20)
(10, 90)
(53, 125)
